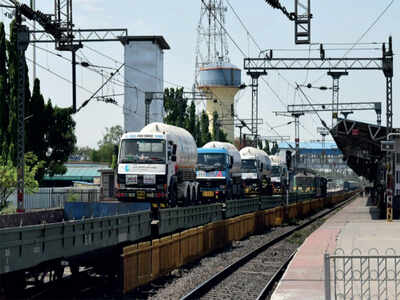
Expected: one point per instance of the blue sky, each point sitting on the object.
(333, 22)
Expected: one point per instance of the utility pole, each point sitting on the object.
(323, 132)
(22, 45)
(390, 157)
(148, 98)
(335, 94)
(296, 116)
(33, 7)
(255, 75)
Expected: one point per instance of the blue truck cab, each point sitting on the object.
(214, 174)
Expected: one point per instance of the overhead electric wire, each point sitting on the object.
(260, 50)
(134, 68)
(309, 101)
(362, 35)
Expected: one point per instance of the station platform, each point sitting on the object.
(356, 226)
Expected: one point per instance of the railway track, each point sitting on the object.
(246, 277)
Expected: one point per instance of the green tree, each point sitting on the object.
(175, 107)
(37, 127)
(197, 135)
(49, 131)
(266, 147)
(204, 129)
(217, 133)
(84, 152)
(191, 120)
(259, 144)
(61, 138)
(111, 138)
(275, 148)
(8, 176)
(112, 135)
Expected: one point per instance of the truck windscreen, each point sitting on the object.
(214, 161)
(145, 151)
(249, 164)
(276, 171)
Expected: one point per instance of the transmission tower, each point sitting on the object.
(212, 42)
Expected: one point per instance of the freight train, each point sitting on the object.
(304, 182)
(162, 165)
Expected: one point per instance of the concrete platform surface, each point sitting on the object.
(356, 226)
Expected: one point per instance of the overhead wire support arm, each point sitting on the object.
(342, 63)
(377, 106)
(84, 35)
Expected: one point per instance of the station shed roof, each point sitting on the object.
(360, 145)
(78, 172)
(312, 147)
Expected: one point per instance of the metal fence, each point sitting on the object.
(47, 198)
(357, 276)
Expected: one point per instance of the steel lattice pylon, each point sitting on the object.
(63, 18)
(212, 42)
(302, 22)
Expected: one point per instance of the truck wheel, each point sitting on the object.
(194, 195)
(188, 199)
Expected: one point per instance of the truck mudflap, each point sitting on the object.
(143, 196)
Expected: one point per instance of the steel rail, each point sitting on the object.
(275, 278)
(207, 285)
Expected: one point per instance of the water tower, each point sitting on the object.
(214, 72)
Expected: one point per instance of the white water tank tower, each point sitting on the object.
(144, 72)
(222, 80)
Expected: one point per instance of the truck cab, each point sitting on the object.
(214, 174)
(256, 171)
(251, 176)
(143, 167)
(278, 178)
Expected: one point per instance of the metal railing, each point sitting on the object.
(357, 276)
(47, 198)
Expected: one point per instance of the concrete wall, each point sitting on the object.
(144, 72)
(32, 218)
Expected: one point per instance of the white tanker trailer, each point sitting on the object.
(256, 171)
(218, 171)
(158, 165)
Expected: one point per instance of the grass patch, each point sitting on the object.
(299, 237)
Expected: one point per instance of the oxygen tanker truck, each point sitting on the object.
(157, 165)
(218, 171)
(279, 174)
(256, 171)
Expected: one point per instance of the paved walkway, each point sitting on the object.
(354, 226)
